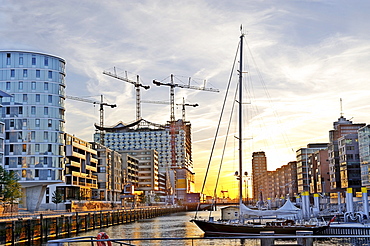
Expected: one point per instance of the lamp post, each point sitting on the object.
(246, 186)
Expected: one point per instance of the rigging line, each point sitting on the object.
(218, 127)
(225, 143)
(285, 137)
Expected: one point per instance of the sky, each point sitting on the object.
(302, 56)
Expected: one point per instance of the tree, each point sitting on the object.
(142, 197)
(57, 197)
(10, 189)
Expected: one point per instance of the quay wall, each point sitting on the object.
(45, 227)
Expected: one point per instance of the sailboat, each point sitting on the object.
(241, 226)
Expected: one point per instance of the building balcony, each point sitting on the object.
(74, 164)
(78, 155)
(78, 174)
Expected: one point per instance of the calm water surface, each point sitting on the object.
(178, 225)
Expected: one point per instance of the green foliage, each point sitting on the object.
(57, 197)
(10, 188)
(157, 198)
(142, 198)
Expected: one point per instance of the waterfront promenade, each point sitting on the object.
(30, 227)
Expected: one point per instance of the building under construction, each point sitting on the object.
(172, 141)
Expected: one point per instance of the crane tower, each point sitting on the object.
(137, 85)
(101, 111)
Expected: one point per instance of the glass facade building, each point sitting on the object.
(364, 151)
(33, 116)
(173, 156)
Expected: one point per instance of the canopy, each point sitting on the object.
(287, 209)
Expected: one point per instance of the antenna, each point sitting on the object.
(341, 108)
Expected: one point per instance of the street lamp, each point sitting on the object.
(246, 186)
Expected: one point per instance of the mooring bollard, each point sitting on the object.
(305, 241)
(267, 241)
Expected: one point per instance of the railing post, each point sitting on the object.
(305, 241)
(41, 227)
(77, 224)
(267, 241)
(29, 225)
(13, 232)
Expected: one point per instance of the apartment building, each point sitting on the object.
(34, 120)
(364, 151)
(2, 128)
(341, 127)
(148, 180)
(130, 166)
(79, 174)
(319, 171)
(110, 174)
(349, 162)
(303, 167)
(259, 171)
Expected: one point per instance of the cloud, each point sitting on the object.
(305, 54)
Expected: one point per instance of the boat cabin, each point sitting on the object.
(230, 213)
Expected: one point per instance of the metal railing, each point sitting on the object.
(304, 240)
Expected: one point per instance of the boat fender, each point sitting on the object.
(103, 235)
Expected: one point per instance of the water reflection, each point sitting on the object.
(179, 226)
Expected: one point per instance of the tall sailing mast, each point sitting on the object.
(240, 121)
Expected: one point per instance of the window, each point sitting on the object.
(37, 73)
(37, 97)
(49, 147)
(46, 135)
(33, 85)
(46, 110)
(33, 134)
(33, 60)
(11, 123)
(24, 147)
(24, 97)
(50, 74)
(20, 59)
(20, 110)
(33, 110)
(25, 72)
(37, 147)
(50, 99)
(24, 122)
(7, 85)
(46, 86)
(12, 73)
(20, 85)
(8, 59)
(37, 122)
(46, 61)
(50, 122)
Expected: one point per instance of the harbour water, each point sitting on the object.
(178, 225)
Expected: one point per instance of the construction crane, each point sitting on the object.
(172, 86)
(183, 104)
(101, 110)
(137, 87)
(223, 193)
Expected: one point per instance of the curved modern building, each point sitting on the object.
(34, 120)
